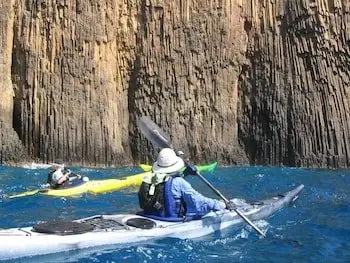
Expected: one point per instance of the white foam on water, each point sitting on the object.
(261, 224)
(36, 166)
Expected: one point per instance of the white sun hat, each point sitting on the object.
(167, 162)
(57, 175)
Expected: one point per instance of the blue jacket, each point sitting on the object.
(196, 203)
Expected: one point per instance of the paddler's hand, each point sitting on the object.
(66, 172)
(86, 179)
(190, 170)
(73, 176)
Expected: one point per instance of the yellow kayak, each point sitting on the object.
(102, 186)
(92, 187)
(201, 168)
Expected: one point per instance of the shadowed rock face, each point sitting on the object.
(294, 93)
(262, 82)
(11, 148)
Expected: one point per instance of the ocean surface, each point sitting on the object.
(316, 228)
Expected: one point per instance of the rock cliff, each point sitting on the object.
(241, 81)
(294, 97)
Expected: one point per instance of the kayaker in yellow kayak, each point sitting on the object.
(60, 177)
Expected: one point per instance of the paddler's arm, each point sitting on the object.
(212, 204)
(193, 199)
(73, 176)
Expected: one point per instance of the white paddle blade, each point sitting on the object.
(153, 133)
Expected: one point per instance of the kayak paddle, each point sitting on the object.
(28, 193)
(155, 134)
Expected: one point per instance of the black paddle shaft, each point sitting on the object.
(213, 188)
(235, 209)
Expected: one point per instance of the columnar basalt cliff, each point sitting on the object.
(294, 97)
(262, 82)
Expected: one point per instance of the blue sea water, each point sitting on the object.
(314, 229)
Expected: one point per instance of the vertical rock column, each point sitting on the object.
(71, 64)
(295, 90)
(6, 37)
(11, 149)
(187, 72)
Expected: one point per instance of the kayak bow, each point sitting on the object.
(201, 168)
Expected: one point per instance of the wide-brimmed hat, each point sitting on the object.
(167, 162)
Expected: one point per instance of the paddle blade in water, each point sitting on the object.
(153, 133)
(28, 193)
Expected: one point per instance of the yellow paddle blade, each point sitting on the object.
(146, 167)
(33, 192)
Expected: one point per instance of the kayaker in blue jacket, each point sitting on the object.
(165, 193)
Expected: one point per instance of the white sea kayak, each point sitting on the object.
(103, 230)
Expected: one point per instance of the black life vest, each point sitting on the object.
(162, 202)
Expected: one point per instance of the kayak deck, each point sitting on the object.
(101, 230)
